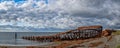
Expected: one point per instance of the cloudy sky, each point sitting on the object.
(49, 15)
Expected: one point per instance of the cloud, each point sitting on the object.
(62, 14)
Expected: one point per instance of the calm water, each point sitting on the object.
(8, 38)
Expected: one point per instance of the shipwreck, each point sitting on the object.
(84, 32)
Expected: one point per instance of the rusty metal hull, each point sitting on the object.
(79, 33)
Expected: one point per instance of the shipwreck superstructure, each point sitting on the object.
(79, 33)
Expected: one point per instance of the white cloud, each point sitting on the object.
(63, 14)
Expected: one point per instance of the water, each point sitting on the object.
(8, 38)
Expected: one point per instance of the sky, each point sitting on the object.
(58, 15)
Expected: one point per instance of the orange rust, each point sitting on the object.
(107, 32)
(89, 27)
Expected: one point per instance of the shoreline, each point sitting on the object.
(93, 42)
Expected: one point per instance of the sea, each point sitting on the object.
(15, 38)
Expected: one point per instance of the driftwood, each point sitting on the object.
(84, 32)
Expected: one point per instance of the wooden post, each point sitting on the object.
(15, 38)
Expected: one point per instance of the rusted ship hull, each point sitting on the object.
(79, 33)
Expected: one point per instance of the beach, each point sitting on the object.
(88, 43)
(111, 41)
